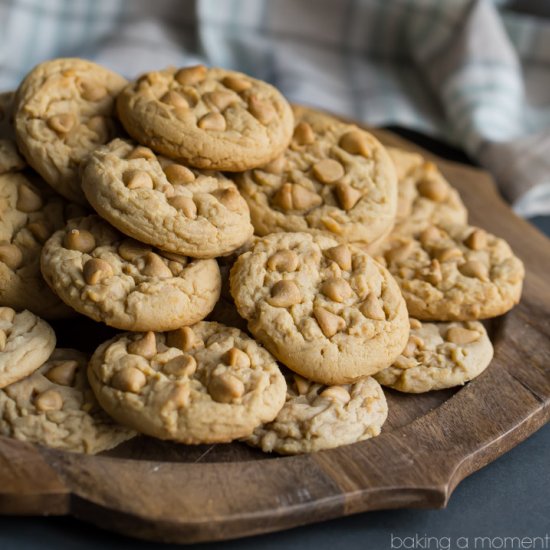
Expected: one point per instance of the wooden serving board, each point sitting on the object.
(168, 492)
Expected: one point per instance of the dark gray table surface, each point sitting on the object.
(506, 505)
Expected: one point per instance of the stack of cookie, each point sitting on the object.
(320, 258)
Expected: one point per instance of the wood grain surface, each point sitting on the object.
(168, 492)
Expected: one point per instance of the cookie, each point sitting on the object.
(438, 356)
(56, 407)
(456, 273)
(118, 281)
(316, 417)
(202, 384)
(29, 213)
(211, 118)
(63, 111)
(334, 177)
(164, 203)
(26, 342)
(326, 310)
(424, 196)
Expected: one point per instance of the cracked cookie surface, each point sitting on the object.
(126, 284)
(454, 273)
(316, 417)
(207, 383)
(439, 356)
(26, 342)
(165, 203)
(326, 310)
(334, 177)
(63, 111)
(56, 407)
(30, 212)
(212, 118)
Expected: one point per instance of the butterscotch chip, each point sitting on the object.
(146, 346)
(124, 283)
(476, 240)
(311, 317)
(355, 143)
(284, 260)
(342, 415)
(443, 278)
(50, 400)
(450, 354)
(175, 99)
(83, 241)
(63, 373)
(188, 212)
(320, 186)
(28, 200)
(207, 394)
(40, 230)
(63, 111)
(11, 255)
(183, 338)
(129, 379)
(141, 152)
(256, 128)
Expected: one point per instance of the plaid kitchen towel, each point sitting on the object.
(475, 72)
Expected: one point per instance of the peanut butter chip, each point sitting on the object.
(347, 195)
(447, 254)
(63, 374)
(262, 110)
(137, 179)
(276, 166)
(433, 189)
(11, 255)
(141, 152)
(220, 99)
(285, 294)
(50, 400)
(476, 240)
(302, 385)
(95, 270)
(225, 387)
(28, 200)
(337, 289)
(415, 323)
(340, 254)
(175, 100)
(400, 253)
(413, 344)
(337, 394)
(80, 240)
(40, 231)
(434, 275)
(473, 268)
(145, 346)
(129, 379)
(303, 134)
(332, 225)
(461, 336)
(212, 121)
(429, 235)
(230, 198)
(155, 267)
(182, 365)
(328, 170)
(3, 340)
(237, 358)
(329, 323)
(129, 249)
(185, 204)
(90, 91)
(179, 397)
(283, 261)
(62, 124)
(178, 174)
(183, 338)
(296, 197)
(236, 84)
(372, 308)
(7, 314)
(189, 76)
(355, 142)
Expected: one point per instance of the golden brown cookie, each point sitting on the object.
(63, 111)
(326, 310)
(211, 118)
(202, 384)
(165, 203)
(126, 284)
(334, 177)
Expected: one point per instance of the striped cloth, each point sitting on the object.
(473, 72)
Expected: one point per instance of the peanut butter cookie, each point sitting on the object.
(456, 273)
(316, 417)
(29, 213)
(326, 310)
(26, 342)
(334, 177)
(126, 284)
(210, 118)
(63, 111)
(164, 203)
(202, 384)
(56, 407)
(438, 356)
